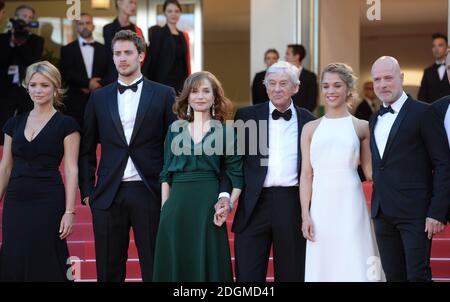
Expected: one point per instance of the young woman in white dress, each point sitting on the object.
(341, 244)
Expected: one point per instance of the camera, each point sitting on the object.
(21, 28)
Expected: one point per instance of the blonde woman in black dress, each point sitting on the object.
(38, 212)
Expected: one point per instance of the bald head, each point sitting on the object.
(387, 79)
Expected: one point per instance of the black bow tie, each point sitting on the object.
(384, 110)
(439, 64)
(134, 87)
(286, 115)
(88, 44)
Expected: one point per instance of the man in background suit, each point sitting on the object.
(307, 95)
(83, 66)
(268, 213)
(435, 82)
(411, 176)
(19, 49)
(369, 103)
(129, 118)
(259, 91)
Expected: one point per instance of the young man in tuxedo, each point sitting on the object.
(268, 213)
(83, 66)
(129, 118)
(435, 82)
(307, 95)
(411, 176)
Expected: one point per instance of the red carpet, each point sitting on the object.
(81, 245)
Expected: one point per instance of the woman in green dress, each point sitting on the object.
(192, 241)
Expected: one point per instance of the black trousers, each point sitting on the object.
(276, 221)
(133, 207)
(404, 247)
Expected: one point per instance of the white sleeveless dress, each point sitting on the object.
(344, 249)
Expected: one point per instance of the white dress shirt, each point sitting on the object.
(447, 124)
(385, 122)
(283, 150)
(87, 53)
(128, 105)
(441, 70)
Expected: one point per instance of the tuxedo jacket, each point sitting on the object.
(74, 73)
(411, 180)
(307, 94)
(363, 111)
(146, 149)
(441, 107)
(432, 88)
(254, 172)
(259, 91)
(161, 53)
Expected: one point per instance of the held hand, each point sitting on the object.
(308, 229)
(432, 226)
(86, 201)
(220, 217)
(223, 203)
(66, 226)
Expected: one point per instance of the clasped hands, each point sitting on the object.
(222, 208)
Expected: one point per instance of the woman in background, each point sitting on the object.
(168, 54)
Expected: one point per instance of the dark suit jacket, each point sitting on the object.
(259, 91)
(441, 107)
(102, 125)
(412, 179)
(431, 87)
(307, 94)
(23, 56)
(254, 172)
(74, 74)
(363, 111)
(161, 53)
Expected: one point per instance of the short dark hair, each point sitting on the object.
(271, 50)
(439, 36)
(175, 2)
(2, 5)
(86, 14)
(298, 49)
(128, 35)
(24, 6)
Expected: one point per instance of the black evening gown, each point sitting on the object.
(35, 203)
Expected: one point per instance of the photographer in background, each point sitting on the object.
(19, 48)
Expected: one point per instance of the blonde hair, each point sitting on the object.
(48, 70)
(345, 73)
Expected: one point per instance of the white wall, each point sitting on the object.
(273, 25)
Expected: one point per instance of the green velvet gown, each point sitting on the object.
(189, 246)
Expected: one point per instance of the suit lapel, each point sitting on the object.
(114, 111)
(395, 127)
(95, 64)
(376, 151)
(79, 58)
(144, 103)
